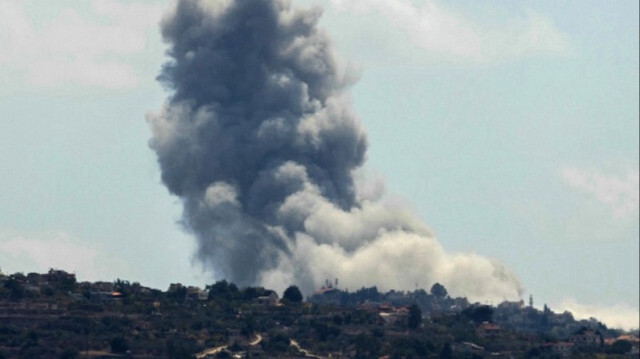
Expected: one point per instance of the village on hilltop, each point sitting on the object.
(52, 315)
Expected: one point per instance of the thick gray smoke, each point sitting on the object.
(259, 141)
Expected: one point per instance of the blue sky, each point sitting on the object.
(512, 131)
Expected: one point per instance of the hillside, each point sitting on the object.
(52, 315)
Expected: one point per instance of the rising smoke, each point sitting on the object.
(259, 141)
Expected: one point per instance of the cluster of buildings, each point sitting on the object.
(33, 285)
(634, 341)
(584, 340)
(587, 340)
(195, 294)
(36, 282)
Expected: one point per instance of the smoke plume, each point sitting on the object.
(260, 142)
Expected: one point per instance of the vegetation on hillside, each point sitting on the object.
(51, 315)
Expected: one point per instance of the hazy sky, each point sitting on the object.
(511, 131)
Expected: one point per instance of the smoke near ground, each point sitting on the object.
(259, 141)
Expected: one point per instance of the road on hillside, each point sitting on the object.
(304, 351)
(216, 350)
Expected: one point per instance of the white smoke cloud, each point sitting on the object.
(439, 29)
(221, 193)
(620, 194)
(396, 260)
(43, 250)
(605, 204)
(377, 244)
(614, 316)
(68, 45)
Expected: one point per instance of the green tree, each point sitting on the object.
(69, 353)
(31, 339)
(367, 347)
(179, 294)
(277, 343)
(415, 317)
(221, 289)
(15, 288)
(181, 348)
(249, 293)
(61, 280)
(119, 345)
(620, 347)
(122, 286)
(479, 314)
(446, 352)
(292, 294)
(410, 347)
(439, 290)
(533, 352)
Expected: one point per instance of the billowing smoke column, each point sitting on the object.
(259, 141)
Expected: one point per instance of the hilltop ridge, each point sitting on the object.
(51, 315)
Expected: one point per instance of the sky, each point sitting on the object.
(511, 131)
